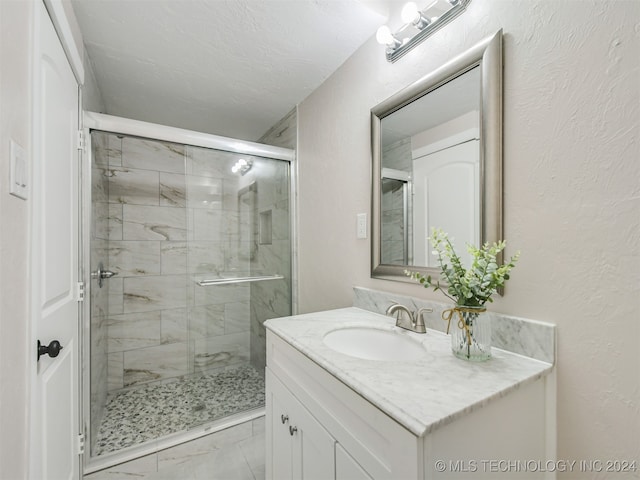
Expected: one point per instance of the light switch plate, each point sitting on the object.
(19, 176)
(362, 225)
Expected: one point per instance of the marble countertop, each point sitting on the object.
(421, 395)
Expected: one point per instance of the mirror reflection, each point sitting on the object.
(437, 163)
(430, 172)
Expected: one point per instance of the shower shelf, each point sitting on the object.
(226, 281)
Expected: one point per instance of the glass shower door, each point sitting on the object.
(239, 268)
(201, 252)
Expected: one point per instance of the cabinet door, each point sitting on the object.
(300, 448)
(282, 441)
(313, 448)
(347, 468)
(279, 442)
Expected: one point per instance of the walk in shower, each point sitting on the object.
(188, 252)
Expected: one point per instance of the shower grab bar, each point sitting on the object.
(226, 281)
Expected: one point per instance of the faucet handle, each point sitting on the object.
(420, 326)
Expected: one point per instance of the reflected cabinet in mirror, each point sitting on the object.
(437, 163)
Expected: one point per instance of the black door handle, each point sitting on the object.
(53, 349)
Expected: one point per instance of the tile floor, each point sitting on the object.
(236, 453)
(241, 461)
(142, 414)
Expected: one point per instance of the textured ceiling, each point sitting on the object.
(228, 67)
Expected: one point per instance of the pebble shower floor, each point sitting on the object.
(138, 415)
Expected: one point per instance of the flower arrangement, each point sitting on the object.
(471, 287)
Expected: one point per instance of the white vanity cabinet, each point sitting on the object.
(320, 427)
(300, 446)
(339, 434)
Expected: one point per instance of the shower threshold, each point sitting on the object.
(136, 416)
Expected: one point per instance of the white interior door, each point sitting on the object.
(55, 406)
(446, 196)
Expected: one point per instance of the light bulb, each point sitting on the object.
(410, 13)
(384, 36)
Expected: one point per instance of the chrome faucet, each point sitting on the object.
(413, 321)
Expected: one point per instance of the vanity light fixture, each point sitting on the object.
(418, 25)
(242, 166)
(411, 14)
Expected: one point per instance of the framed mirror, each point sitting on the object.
(437, 162)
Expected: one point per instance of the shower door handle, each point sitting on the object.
(101, 274)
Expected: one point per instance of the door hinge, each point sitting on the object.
(80, 443)
(80, 295)
(81, 142)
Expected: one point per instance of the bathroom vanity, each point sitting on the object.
(330, 413)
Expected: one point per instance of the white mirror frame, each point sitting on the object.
(488, 55)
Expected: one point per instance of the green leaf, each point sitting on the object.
(472, 286)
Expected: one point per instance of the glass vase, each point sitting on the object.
(470, 329)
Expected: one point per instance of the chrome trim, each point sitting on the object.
(227, 281)
(127, 126)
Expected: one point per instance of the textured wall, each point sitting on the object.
(15, 355)
(91, 96)
(571, 193)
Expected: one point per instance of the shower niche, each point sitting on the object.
(175, 336)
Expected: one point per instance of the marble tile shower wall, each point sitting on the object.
(398, 157)
(272, 256)
(173, 219)
(99, 297)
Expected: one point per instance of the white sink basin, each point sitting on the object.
(374, 344)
